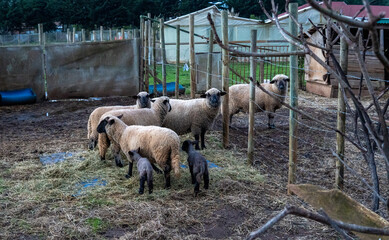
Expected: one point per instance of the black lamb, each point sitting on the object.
(197, 165)
(145, 171)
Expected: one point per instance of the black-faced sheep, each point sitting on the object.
(160, 145)
(142, 101)
(239, 97)
(197, 165)
(145, 116)
(145, 171)
(195, 115)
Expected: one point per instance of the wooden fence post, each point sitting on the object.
(154, 28)
(293, 99)
(341, 119)
(147, 63)
(162, 36)
(101, 33)
(141, 35)
(94, 35)
(110, 34)
(122, 30)
(176, 93)
(209, 62)
(74, 35)
(250, 143)
(192, 57)
(225, 83)
(261, 70)
(83, 35)
(40, 33)
(68, 35)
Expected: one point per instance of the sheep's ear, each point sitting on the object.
(138, 149)
(273, 81)
(152, 100)
(151, 95)
(287, 79)
(203, 95)
(195, 142)
(130, 153)
(120, 116)
(135, 97)
(112, 121)
(222, 93)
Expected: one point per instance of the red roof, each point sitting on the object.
(351, 10)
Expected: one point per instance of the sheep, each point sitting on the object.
(160, 145)
(195, 115)
(197, 165)
(239, 97)
(145, 170)
(142, 101)
(154, 116)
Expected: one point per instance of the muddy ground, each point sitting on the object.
(232, 208)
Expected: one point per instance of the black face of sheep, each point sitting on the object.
(213, 96)
(104, 122)
(281, 82)
(144, 99)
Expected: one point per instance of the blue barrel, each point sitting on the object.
(22, 96)
(170, 88)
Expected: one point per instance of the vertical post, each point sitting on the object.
(176, 93)
(250, 143)
(381, 39)
(149, 38)
(147, 62)
(154, 57)
(225, 77)
(261, 70)
(74, 35)
(18, 38)
(162, 33)
(293, 99)
(83, 35)
(94, 36)
(209, 62)
(110, 34)
(68, 35)
(341, 120)
(40, 33)
(101, 33)
(122, 30)
(141, 33)
(192, 57)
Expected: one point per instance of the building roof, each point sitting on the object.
(346, 9)
(200, 18)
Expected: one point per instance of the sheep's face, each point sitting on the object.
(186, 145)
(213, 97)
(163, 101)
(143, 99)
(281, 82)
(106, 122)
(134, 154)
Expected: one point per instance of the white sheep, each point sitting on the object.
(145, 116)
(195, 115)
(142, 101)
(160, 145)
(239, 97)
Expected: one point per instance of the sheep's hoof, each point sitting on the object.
(167, 187)
(140, 191)
(203, 147)
(102, 158)
(150, 191)
(119, 164)
(272, 126)
(128, 176)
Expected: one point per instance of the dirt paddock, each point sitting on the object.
(42, 201)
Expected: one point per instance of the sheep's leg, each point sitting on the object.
(142, 184)
(129, 174)
(167, 176)
(103, 143)
(156, 169)
(203, 131)
(191, 174)
(206, 180)
(150, 183)
(197, 142)
(196, 188)
(116, 153)
(271, 120)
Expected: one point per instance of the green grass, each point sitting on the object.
(96, 224)
(242, 68)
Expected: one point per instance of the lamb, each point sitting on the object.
(197, 165)
(145, 171)
(195, 115)
(160, 145)
(142, 101)
(154, 116)
(239, 97)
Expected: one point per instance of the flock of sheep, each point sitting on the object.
(147, 132)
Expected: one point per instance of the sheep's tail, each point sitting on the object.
(175, 158)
